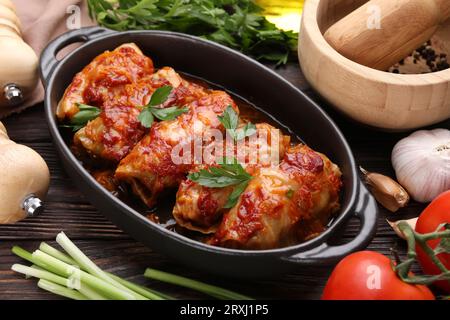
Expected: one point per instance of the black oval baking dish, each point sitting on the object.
(241, 76)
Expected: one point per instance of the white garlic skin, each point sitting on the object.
(422, 163)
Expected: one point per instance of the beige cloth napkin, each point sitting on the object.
(42, 21)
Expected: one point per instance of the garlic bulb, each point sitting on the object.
(422, 163)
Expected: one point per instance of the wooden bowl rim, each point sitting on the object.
(310, 13)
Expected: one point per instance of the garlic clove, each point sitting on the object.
(386, 191)
(422, 163)
(394, 226)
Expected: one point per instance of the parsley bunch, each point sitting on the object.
(238, 24)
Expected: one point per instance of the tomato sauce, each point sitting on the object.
(208, 207)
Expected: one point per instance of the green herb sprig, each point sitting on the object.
(150, 111)
(226, 175)
(230, 120)
(238, 24)
(85, 114)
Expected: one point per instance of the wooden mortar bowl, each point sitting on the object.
(380, 99)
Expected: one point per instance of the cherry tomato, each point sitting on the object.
(436, 213)
(368, 275)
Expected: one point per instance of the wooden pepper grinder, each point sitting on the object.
(24, 180)
(18, 61)
(382, 32)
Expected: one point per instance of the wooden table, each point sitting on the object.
(114, 251)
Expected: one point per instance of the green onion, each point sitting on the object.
(67, 270)
(60, 290)
(148, 293)
(41, 274)
(91, 268)
(213, 291)
(90, 293)
(75, 276)
(55, 253)
(18, 251)
(29, 257)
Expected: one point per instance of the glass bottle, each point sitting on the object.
(286, 14)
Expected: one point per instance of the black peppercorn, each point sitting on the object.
(435, 61)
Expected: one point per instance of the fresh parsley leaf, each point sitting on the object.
(146, 118)
(234, 196)
(290, 193)
(85, 114)
(171, 113)
(247, 131)
(225, 175)
(232, 165)
(160, 96)
(150, 112)
(230, 120)
(238, 24)
(85, 107)
(74, 128)
(215, 179)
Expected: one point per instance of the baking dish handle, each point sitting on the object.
(49, 60)
(366, 211)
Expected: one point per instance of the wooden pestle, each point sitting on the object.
(404, 25)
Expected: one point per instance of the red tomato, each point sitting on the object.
(368, 275)
(436, 213)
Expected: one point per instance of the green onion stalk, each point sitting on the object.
(73, 275)
(211, 290)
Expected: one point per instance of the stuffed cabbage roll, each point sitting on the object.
(116, 131)
(150, 167)
(106, 178)
(282, 202)
(107, 73)
(200, 208)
